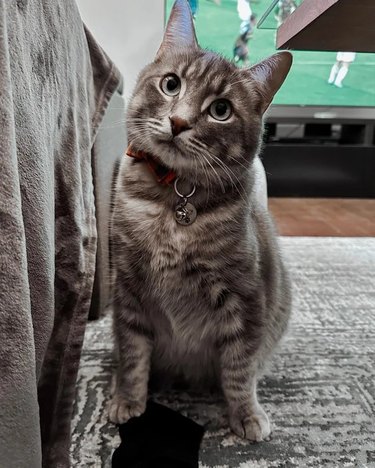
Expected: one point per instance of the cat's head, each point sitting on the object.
(196, 111)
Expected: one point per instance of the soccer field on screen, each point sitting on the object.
(217, 27)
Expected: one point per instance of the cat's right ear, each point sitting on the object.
(180, 31)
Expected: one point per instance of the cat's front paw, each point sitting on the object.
(121, 409)
(252, 426)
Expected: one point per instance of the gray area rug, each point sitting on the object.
(320, 388)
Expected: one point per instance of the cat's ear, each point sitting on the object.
(180, 32)
(270, 75)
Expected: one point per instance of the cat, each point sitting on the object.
(199, 287)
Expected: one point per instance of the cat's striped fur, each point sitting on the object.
(207, 301)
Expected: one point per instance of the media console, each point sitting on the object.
(320, 152)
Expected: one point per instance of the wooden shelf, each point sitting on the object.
(335, 25)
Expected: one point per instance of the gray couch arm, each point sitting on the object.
(109, 148)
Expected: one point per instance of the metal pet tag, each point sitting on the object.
(185, 214)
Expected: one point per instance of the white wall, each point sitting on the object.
(130, 31)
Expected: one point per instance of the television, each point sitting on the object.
(218, 25)
(320, 136)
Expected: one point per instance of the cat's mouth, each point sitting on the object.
(174, 144)
(173, 153)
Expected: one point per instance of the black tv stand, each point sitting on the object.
(320, 152)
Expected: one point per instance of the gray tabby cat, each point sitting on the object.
(206, 298)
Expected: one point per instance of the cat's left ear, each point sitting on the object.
(270, 75)
(180, 31)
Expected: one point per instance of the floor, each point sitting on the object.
(318, 389)
(332, 217)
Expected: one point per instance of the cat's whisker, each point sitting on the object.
(147, 123)
(199, 150)
(224, 167)
(198, 154)
(147, 119)
(197, 158)
(115, 123)
(237, 161)
(147, 126)
(143, 118)
(229, 171)
(206, 175)
(107, 127)
(234, 185)
(211, 149)
(122, 121)
(215, 171)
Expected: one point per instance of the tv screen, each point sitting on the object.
(219, 24)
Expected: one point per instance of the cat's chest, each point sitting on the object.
(156, 232)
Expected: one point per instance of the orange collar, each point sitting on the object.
(162, 174)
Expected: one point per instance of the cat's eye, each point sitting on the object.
(221, 109)
(171, 85)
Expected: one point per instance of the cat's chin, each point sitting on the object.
(172, 154)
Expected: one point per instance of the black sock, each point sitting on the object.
(160, 438)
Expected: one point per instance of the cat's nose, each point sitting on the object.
(178, 125)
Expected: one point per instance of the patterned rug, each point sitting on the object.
(320, 388)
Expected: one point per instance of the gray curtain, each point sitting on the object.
(55, 85)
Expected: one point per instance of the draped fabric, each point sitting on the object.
(55, 84)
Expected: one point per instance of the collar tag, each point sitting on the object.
(185, 213)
